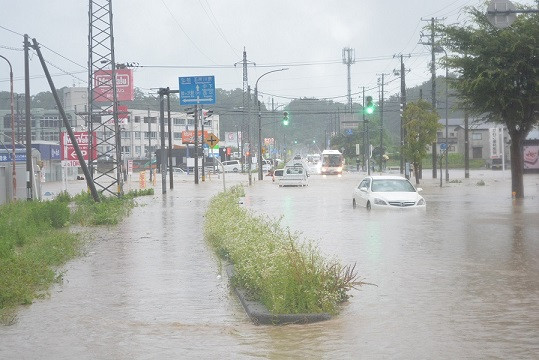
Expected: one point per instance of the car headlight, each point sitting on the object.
(379, 202)
(421, 202)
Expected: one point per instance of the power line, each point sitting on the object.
(216, 24)
(184, 32)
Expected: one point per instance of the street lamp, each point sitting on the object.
(260, 175)
(14, 174)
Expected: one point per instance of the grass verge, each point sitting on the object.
(287, 275)
(35, 240)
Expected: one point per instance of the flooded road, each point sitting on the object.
(459, 280)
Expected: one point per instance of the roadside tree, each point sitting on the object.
(420, 122)
(498, 77)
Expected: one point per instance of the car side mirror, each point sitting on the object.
(363, 188)
(419, 189)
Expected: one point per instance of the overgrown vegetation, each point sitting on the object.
(286, 275)
(35, 240)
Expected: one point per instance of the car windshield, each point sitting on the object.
(391, 185)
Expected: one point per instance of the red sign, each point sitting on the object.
(68, 150)
(103, 85)
(188, 137)
(122, 112)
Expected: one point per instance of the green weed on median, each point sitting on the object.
(287, 275)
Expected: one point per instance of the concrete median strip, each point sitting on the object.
(260, 315)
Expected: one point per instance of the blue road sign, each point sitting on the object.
(443, 146)
(349, 132)
(196, 90)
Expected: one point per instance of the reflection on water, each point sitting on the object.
(459, 280)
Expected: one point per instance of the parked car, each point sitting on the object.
(496, 164)
(387, 192)
(277, 174)
(231, 166)
(294, 176)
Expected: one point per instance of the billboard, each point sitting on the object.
(232, 138)
(103, 85)
(531, 157)
(188, 136)
(68, 154)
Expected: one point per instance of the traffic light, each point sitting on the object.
(285, 118)
(369, 106)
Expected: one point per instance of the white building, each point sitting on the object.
(140, 131)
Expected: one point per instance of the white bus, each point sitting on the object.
(332, 162)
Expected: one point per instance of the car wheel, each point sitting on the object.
(354, 203)
(235, 170)
(368, 205)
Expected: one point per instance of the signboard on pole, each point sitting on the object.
(188, 136)
(494, 140)
(68, 153)
(211, 140)
(103, 85)
(195, 90)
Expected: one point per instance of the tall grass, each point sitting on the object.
(287, 275)
(35, 240)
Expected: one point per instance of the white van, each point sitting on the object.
(231, 166)
(295, 175)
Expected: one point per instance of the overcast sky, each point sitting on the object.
(207, 37)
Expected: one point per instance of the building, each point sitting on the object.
(485, 139)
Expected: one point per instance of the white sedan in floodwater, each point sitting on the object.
(387, 192)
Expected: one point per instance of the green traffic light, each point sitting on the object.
(369, 107)
(285, 118)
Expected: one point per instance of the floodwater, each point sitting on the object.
(459, 280)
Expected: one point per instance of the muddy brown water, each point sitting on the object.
(459, 280)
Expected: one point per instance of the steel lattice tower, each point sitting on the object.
(103, 104)
(349, 58)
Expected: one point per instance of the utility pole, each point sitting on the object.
(29, 172)
(433, 80)
(402, 73)
(381, 123)
(364, 128)
(249, 162)
(150, 142)
(246, 100)
(432, 43)
(466, 146)
(349, 58)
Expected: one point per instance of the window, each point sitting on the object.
(137, 135)
(137, 119)
(153, 134)
(177, 136)
(477, 136)
(137, 150)
(477, 153)
(126, 149)
(125, 134)
(178, 121)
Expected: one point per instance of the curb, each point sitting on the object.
(260, 315)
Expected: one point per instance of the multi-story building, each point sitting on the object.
(140, 132)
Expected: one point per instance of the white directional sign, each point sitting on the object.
(195, 90)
